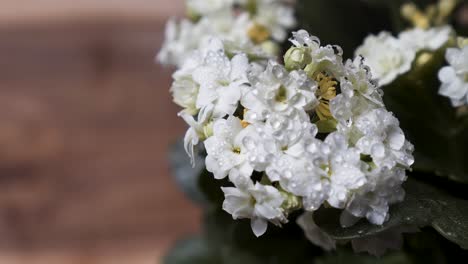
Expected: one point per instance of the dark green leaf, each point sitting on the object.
(342, 22)
(424, 205)
(233, 238)
(345, 256)
(438, 131)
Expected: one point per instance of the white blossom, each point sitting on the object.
(276, 90)
(198, 130)
(276, 16)
(184, 37)
(220, 79)
(389, 57)
(210, 84)
(181, 38)
(382, 139)
(454, 77)
(255, 32)
(425, 39)
(227, 154)
(311, 133)
(386, 56)
(260, 203)
(206, 7)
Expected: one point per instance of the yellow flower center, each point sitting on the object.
(236, 150)
(326, 92)
(258, 33)
(434, 14)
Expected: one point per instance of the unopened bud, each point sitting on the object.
(297, 58)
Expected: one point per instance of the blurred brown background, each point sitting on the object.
(85, 122)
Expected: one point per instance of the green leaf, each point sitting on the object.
(424, 205)
(349, 257)
(438, 131)
(186, 176)
(235, 240)
(342, 22)
(192, 250)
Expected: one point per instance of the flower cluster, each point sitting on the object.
(312, 132)
(389, 56)
(454, 78)
(249, 26)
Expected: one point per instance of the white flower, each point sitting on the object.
(276, 16)
(221, 19)
(199, 130)
(205, 7)
(425, 39)
(344, 168)
(197, 87)
(359, 93)
(260, 203)
(389, 57)
(276, 90)
(301, 177)
(227, 154)
(221, 80)
(386, 56)
(382, 139)
(383, 188)
(454, 77)
(184, 37)
(323, 59)
(180, 40)
(184, 89)
(315, 131)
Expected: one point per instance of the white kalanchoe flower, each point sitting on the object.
(426, 39)
(221, 79)
(206, 7)
(227, 154)
(277, 90)
(208, 78)
(382, 139)
(382, 189)
(180, 39)
(183, 37)
(260, 203)
(386, 56)
(276, 17)
(210, 84)
(254, 27)
(313, 132)
(389, 57)
(454, 77)
(344, 168)
(198, 131)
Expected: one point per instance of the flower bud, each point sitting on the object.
(297, 58)
(208, 130)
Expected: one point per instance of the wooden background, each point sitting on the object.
(85, 122)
